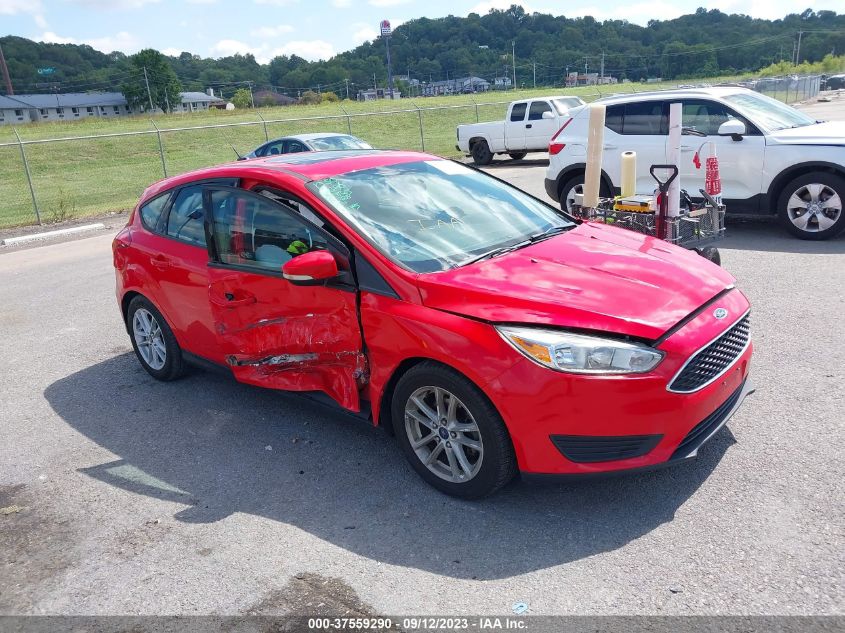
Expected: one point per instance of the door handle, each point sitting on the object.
(161, 262)
(228, 300)
(527, 125)
(686, 148)
(609, 147)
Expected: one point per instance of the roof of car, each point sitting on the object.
(306, 166)
(312, 135)
(716, 91)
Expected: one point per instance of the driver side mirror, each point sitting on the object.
(548, 115)
(310, 269)
(733, 128)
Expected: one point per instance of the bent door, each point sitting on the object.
(273, 333)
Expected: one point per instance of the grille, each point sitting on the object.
(601, 448)
(702, 431)
(713, 360)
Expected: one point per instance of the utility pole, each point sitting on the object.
(798, 49)
(535, 75)
(9, 90)
(251, 98)
(602, 67)
(167, 99)
(513, 57)
(347, 88)
(149, 94)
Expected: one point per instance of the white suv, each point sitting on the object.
(772, 158)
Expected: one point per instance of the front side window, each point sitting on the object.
(151, 211)
(704, 116)
(434, 215)
(250, 230)
(271, 149)
(535, 112)
(185, 221)
(518, 111)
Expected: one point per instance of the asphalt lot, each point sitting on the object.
(123, 495)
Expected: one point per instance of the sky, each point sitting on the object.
(313, 29)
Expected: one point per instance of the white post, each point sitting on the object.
(673, 155)
(595, 147)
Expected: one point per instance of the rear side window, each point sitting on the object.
(518, 112)
(613, 118)
(647, 118)
(151, 211)
(186, 219)
(535, 113)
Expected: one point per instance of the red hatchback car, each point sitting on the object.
(492, 333)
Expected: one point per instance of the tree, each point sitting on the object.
(242, 99)
(309, 97)
(164, 85)
(330, 97)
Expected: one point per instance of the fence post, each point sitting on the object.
(160, 148)
(422, 134)
(28, 177)
(477, 120)
(348, 120)
(266, 136)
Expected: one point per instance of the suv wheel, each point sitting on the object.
(153, 340)
(576, 185)
(810, 207)
(481, 154)
(451, 433)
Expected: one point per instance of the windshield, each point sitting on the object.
(325, 143)
(769, 114)
(564, 104)
(433, 215)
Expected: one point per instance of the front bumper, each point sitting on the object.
(688, 449)
(570, 424)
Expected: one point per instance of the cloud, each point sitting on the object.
(115, 4)
(201, 1)
(272, 31)
(363, 33)
(311, 50)
(276, 3)
(171, 52)
(386, 3)
(40, 21)
(483, 8)
(122, 41)
(639, 13)
(29, 7)
(341, 4)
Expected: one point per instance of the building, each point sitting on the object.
(378, 93)
(461, 85)
(31, 108)
(502, 82)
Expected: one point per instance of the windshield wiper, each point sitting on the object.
(501, 250)
(550, 232)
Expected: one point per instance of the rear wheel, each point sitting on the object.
(481, 154)
(811, 206)
(450, 432)
(575, 185)
(517, 155)
(153, 340)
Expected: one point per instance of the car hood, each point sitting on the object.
(593, 277)
(827, 133)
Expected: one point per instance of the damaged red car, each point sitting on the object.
(490, 332)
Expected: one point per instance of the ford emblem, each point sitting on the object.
(720, 313)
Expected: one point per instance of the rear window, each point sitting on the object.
(644, 118)
(151, 211)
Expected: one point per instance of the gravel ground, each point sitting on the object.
(121, 495)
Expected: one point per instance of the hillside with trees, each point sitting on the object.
(702, 44)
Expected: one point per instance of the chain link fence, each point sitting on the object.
(46, 180)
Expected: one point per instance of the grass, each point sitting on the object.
(96, 175)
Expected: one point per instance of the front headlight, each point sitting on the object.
(579, 353)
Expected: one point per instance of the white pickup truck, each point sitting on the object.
(529, 125)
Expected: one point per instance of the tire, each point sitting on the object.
(710, 253)
(481, 154)
(570, 186)
(149, 355)
(800, 207)
(517, 155)
(488, 457)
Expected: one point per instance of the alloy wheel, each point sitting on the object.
(149, 339)
(814, 207)
(570, 197)
(443, 434)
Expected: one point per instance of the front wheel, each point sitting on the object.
(481, 154)
(810, 207)
(450, 432)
